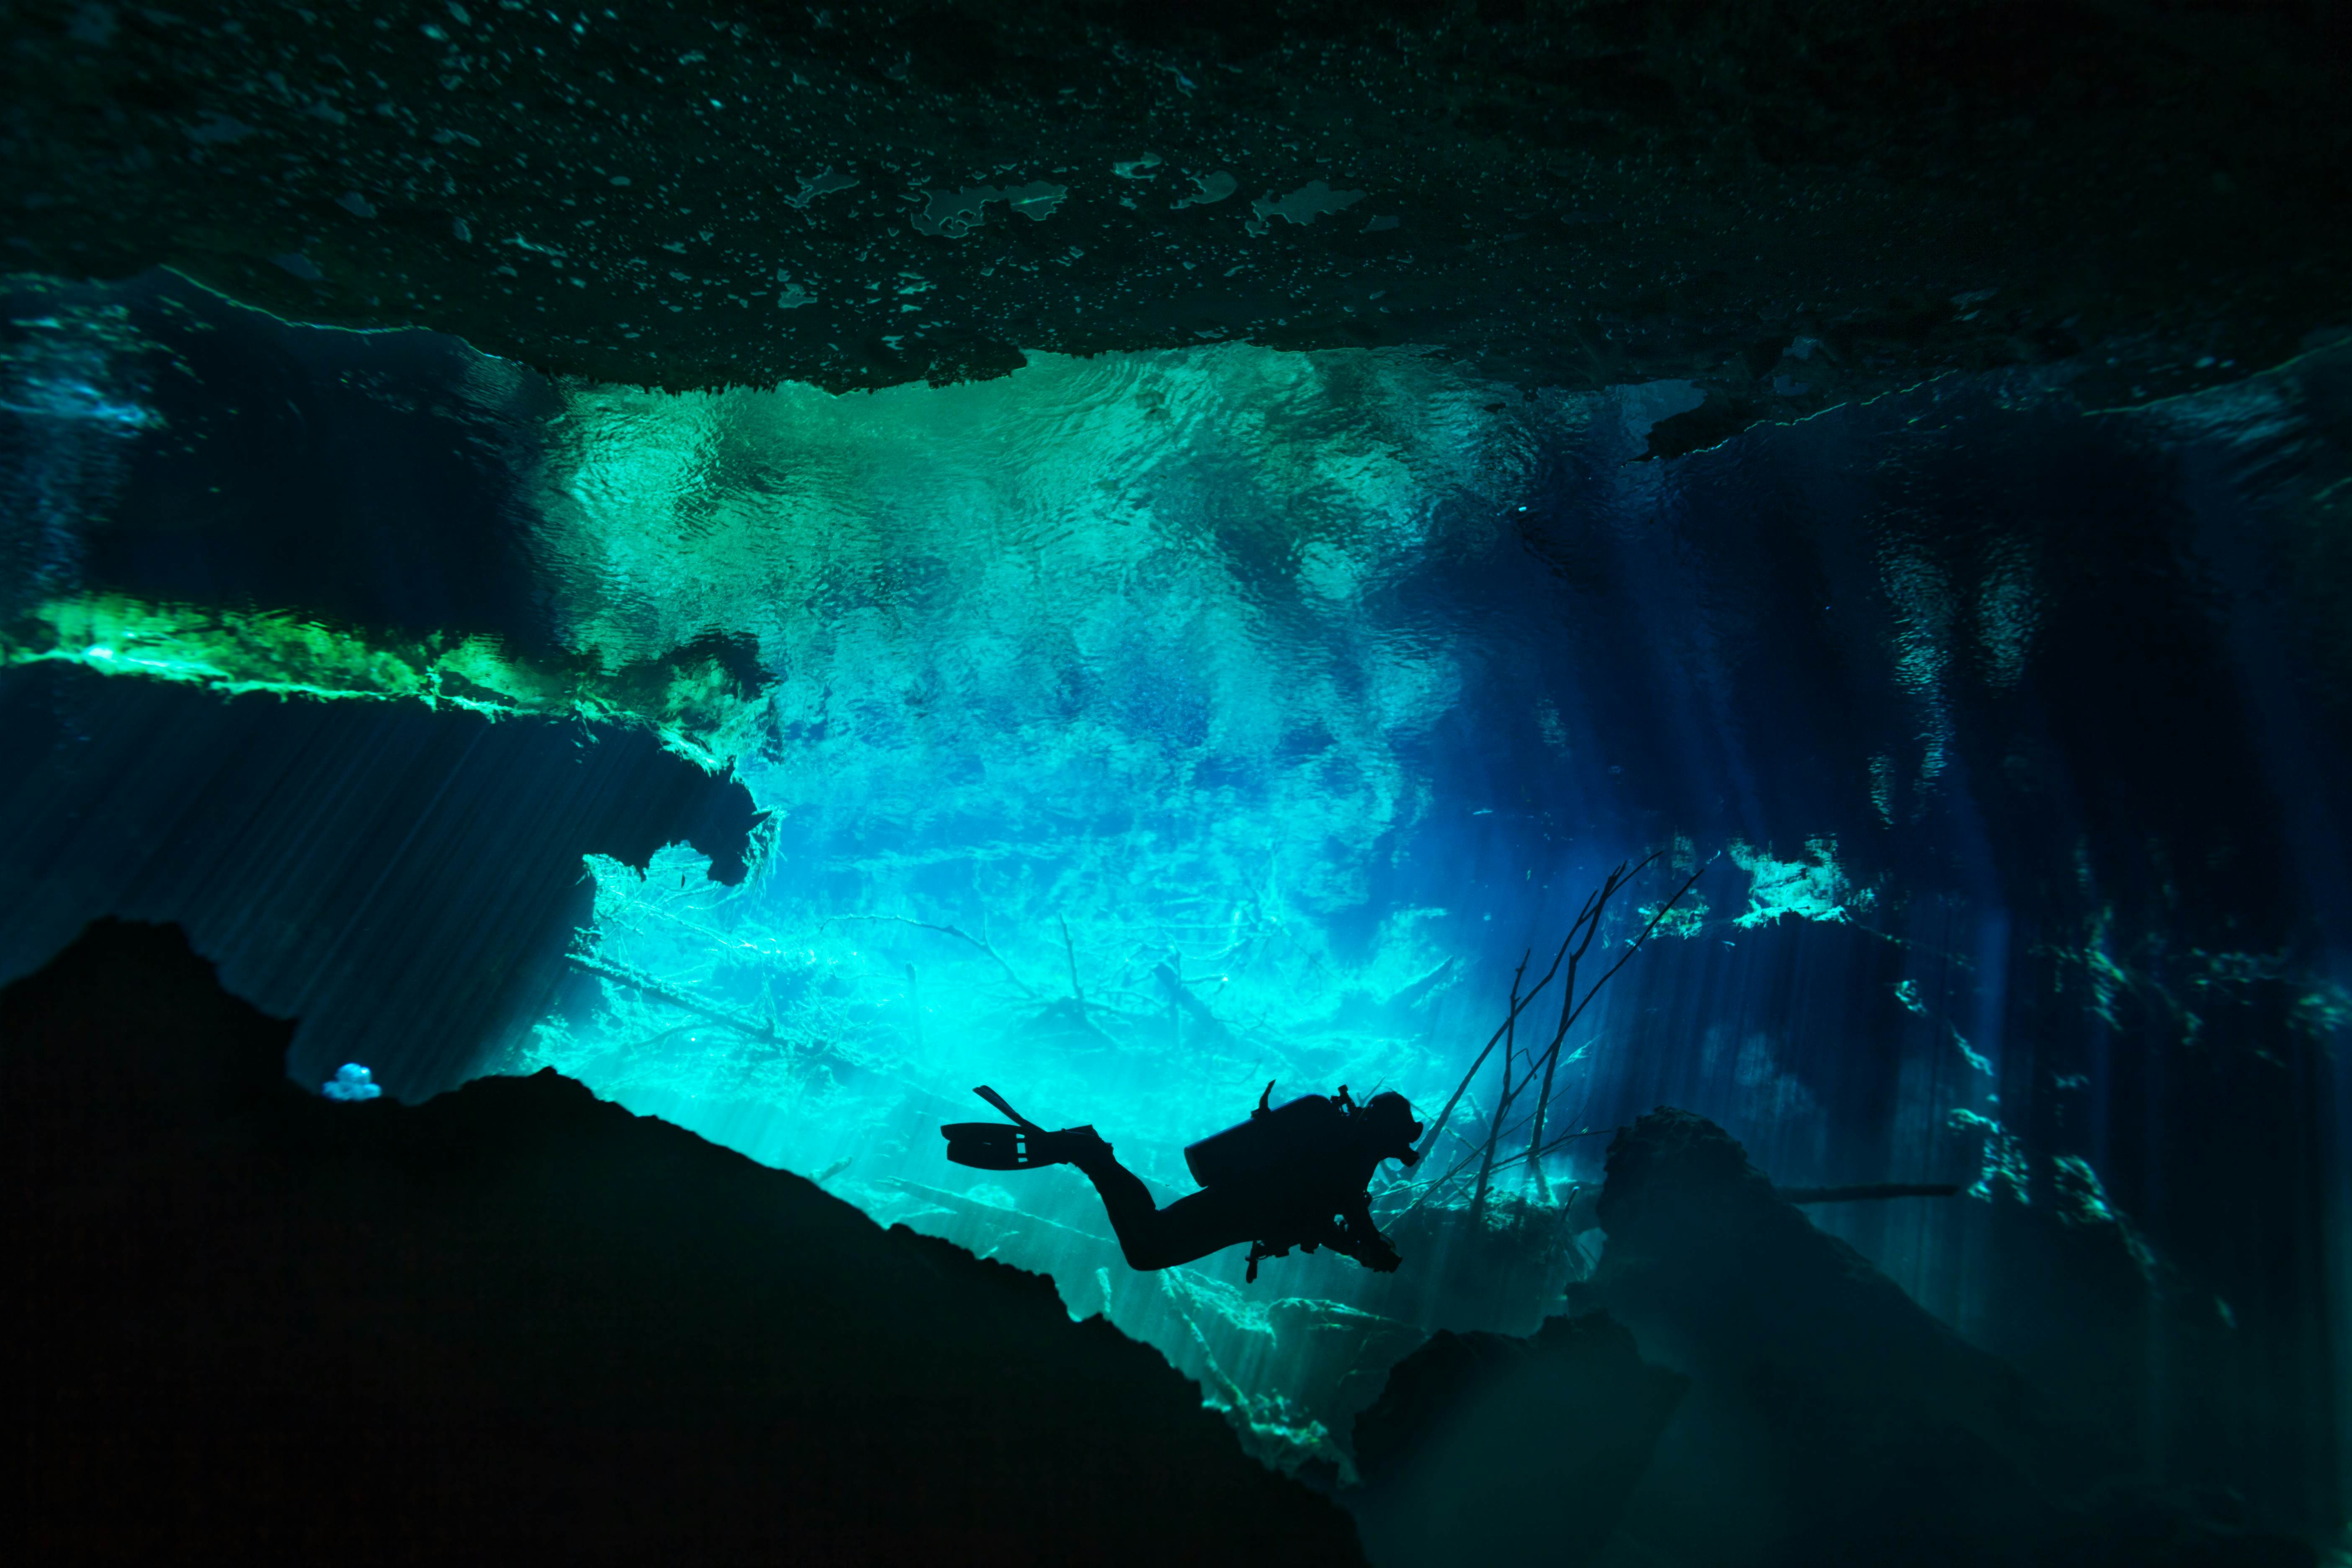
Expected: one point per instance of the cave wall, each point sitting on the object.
(1796, 204)
(2065, 690)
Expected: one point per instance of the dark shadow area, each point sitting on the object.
(403, 878)
(1830, 1419)
(1815, 1414)
(1795, 205)
(1486, 1448)
(519, 1323)
(358, 478)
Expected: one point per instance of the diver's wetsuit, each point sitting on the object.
(1333, 1212)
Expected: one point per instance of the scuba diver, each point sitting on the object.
(1293, 1175)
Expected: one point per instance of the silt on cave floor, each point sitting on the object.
(1127, 554)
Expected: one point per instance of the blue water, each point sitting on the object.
(1138, 731)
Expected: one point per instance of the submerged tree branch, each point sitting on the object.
(1581, 935)
(959, 935)
(1429, 1140)
(1568, 1019)
(662, 991)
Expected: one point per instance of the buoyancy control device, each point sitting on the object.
(1277, 1142)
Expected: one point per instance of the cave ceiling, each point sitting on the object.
(1792, 204)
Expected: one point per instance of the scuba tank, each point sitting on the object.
(1276, 1144)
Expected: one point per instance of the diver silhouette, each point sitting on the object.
(1290, 1176)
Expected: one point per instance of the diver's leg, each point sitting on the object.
(1134, 1217)
(1154, 1238)
(1201, 1223)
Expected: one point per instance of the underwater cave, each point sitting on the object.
(604, 615)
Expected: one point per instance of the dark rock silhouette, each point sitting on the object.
(1834, 1420)
(1735, 1388)
(516, 1322)
(1488, 1449)
(1565, 193)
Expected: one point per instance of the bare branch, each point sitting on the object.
(1429, 1140)
(1510, 1091)
(1868, 1191)
(1072, 955)
(959, 935)
(742, 1023)
(1581, 935)
(1617, 880)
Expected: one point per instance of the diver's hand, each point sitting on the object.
(1368, 1246)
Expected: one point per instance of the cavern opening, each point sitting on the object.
(782, 628)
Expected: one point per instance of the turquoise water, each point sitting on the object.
(1138, 674)
(1134, 732)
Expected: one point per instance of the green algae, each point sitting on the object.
(691, 702)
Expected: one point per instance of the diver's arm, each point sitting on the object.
(1354, 1234)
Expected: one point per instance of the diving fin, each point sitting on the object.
(993, 1146)
(998, 1100)
(1024, 1146)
